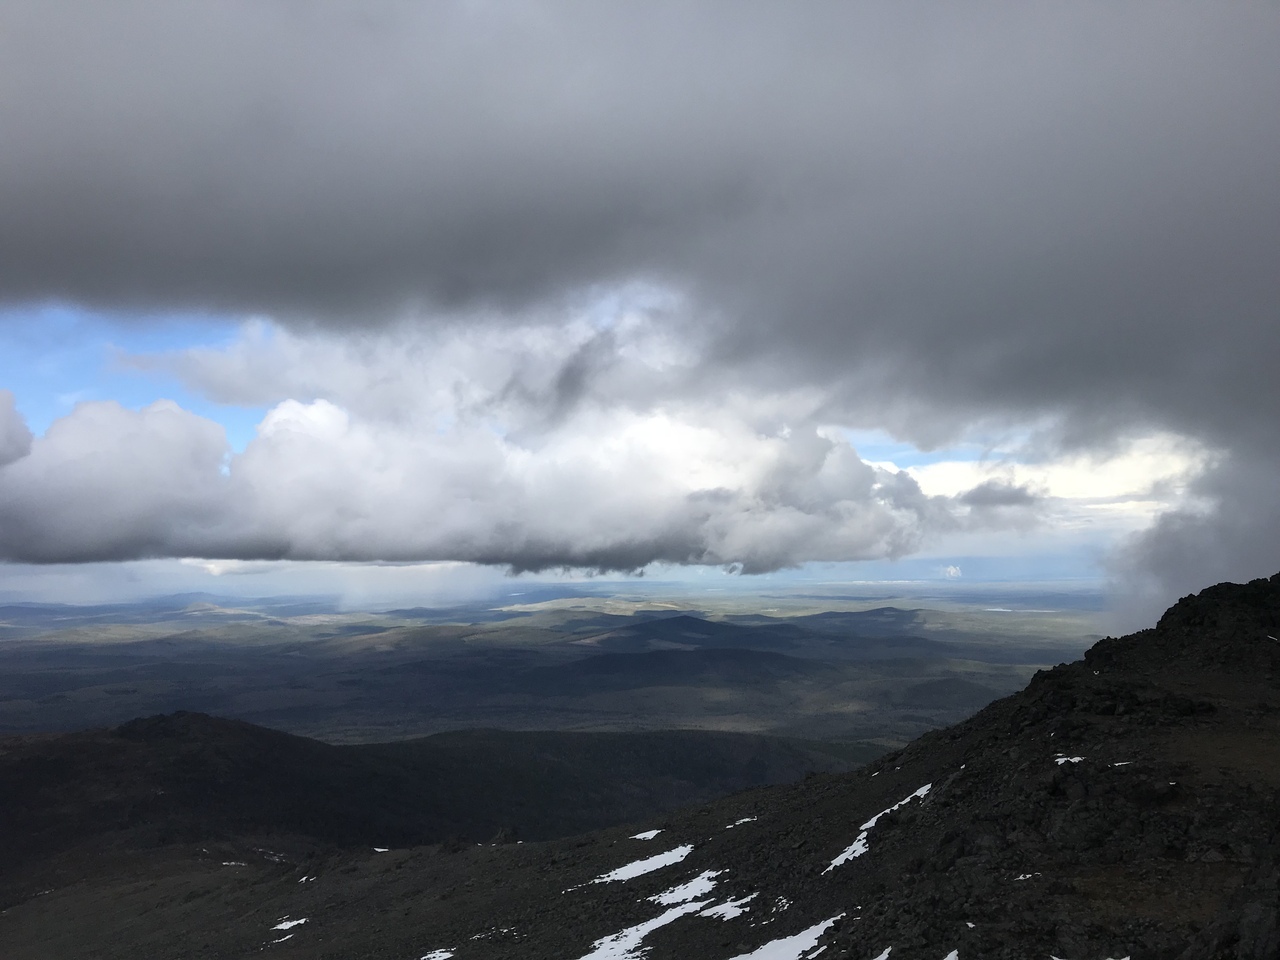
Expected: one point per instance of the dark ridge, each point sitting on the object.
(186, 776)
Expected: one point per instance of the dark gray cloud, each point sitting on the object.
(1064, 215)
(1231, 534)
(15, 438)
(994, 494)
(318, 157)
(312, 157)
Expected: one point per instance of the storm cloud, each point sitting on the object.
(15, 438)
(930, 219)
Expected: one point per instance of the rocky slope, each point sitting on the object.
(190, 777)
(1124, 805)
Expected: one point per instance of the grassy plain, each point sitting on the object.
(824, 662)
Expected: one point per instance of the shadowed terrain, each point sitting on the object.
(189, 777)
(1127, 804)
(886, 673)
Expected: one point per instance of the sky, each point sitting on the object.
(404, 298)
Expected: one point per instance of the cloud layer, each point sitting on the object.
(458, 446)
(936, 221)
(15, 438)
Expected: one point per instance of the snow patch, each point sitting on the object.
(639, 868)
(859, 846)
(626, 944)
(738, 823)
(1061, 760)
(730, 909)
(647, 835)
(702, 884)
(437, 955)
(793, 947)
(286, 924)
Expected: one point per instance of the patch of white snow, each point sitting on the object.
(647, 835)
(703, 883)
(438, 955)
(793, 947)
(729, 909)
(639, 868)
(859, 846)
(627, 944)
(1061, 760)
(285, 923)
(738, 823)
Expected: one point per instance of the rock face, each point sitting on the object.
(1124, 805)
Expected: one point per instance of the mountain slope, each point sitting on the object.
(1124, 805)
(191, 777)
